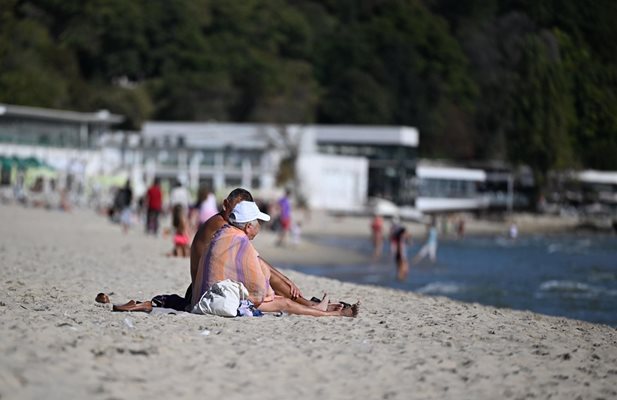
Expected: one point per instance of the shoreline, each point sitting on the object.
(323, 224)
(58, 343)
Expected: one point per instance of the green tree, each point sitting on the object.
(31, 65)
(543, 114)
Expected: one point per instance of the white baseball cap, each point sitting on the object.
(247, 211)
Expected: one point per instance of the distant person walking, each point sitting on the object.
(460, 227)
(398, 244)
(179, 195)
(513, 231)
(182, 241)
(154, 204)
(430, 246)
(124, 200)
(285, 217)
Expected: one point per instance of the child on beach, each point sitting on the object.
(296, 232)
(182, 247)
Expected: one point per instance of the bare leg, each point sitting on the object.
(402, 270)
(281, 288)
(291, 307)
(377, 248)
(323, 305)
(421, 254)
(133, 305)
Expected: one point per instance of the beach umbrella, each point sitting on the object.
(44, 172)
(118, 179)
(18, 162)
(6, 162)
(31, 162)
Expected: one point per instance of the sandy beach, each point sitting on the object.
(58, 343)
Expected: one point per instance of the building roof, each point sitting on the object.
(439, 172)
(366, 134)
(100, 117)
(254, 135)
(212, 135)
(592, 176)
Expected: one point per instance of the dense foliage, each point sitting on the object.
(524, 81)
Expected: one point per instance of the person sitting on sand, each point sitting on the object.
(282, 285)
(231, 255)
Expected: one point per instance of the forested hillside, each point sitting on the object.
(524, 81)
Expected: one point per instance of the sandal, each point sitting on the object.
(102, 298)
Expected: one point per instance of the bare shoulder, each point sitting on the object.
(207, 229)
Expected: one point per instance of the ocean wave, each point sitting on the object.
(441, 288)
(372, 278)
(577, 247)
(554, 248)
(564, 286)
(575, 289)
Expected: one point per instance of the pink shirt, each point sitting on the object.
(232, 256)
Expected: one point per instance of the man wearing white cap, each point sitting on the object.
(231, 255)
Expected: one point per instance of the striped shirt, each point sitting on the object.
(232, 256)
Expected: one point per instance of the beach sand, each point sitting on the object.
(57, 343)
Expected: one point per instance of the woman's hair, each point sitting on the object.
(176, 215)
(240, 194)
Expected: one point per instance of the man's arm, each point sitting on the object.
(282, 284)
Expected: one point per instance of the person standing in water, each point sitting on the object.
(430, 247)
(377, 236)
(398, 244)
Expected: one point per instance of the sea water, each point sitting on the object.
(567, 275)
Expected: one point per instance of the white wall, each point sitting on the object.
(332, 182)
(436, 204)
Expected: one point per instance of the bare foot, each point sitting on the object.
(335, 307)
(125, 306)
(132, 305)
(323, 304)
(351, 311)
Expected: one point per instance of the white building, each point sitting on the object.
(446, 188)
(65, 140)
(337, 167)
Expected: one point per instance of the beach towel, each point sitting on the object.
(223, 298)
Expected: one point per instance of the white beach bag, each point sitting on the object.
(223, 298)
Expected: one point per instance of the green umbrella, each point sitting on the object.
(32, 162)
(6, 162)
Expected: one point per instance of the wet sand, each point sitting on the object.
(58, 343)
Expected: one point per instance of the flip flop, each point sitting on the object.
(102, 298)
(345, 305)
